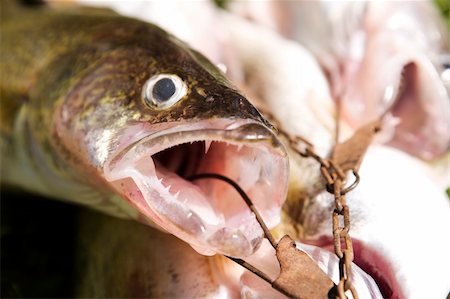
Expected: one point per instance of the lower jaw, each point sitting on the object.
(193, 217)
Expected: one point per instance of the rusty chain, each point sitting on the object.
(335, 179)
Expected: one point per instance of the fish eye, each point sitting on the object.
(163, 90)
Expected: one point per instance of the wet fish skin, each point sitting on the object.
(71, 75)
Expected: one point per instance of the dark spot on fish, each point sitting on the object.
(163, 90)
(174, 276)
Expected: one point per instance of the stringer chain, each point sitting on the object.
(335, 179)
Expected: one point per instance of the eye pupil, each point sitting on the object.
(163, 89)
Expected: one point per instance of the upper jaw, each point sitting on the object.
(207, 214)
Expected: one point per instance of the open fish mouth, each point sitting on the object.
(151, 173)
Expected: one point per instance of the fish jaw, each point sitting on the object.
(151, 172)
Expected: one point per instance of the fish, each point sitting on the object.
(115, 114)
(411, 42)
(294, 90)
(290, 87)
(288, 81)
(352, 39)
(307, 212)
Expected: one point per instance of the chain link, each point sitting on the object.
(335, 179)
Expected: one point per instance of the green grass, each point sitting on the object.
(444, 7)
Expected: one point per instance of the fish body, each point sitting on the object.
(147, 263)
(352, 39)
(115, 113)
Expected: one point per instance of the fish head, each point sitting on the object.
(410, 42)
(148, 116)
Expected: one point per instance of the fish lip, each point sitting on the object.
(254, 136)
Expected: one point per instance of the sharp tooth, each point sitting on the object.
(168, 188)
(176, 194)
(207, 145)
(160, 180)
(239, 147)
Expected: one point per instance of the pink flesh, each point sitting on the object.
(207, 214)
